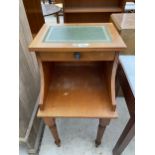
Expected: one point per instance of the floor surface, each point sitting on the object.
(78, 135)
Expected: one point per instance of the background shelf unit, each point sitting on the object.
(87, 11)
(92, 9)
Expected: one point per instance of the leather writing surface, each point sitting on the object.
(77, 34)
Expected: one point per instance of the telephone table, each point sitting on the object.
(78, 63)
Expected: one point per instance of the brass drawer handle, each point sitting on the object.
(77, 55)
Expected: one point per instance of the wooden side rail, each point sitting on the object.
(110, 69)
(45, 79)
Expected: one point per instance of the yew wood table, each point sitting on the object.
(78, 63)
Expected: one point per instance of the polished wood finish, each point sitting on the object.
(77, 88)
(58, 1)
(125, 138)
(70, 56)
(44, 82)
(101, 128)
(87, 11)
(34, 14)
(125, 24)
(117, 43)
(53, 128)
(71, 95)
(129, 130)
(110, 72)
(92, 9)
(88, 17)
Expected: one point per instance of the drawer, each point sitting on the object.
(76, 56)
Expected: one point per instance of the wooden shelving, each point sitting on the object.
(87, 11)
(91, 9)
(77, 91)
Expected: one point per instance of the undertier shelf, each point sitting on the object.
(77, 91)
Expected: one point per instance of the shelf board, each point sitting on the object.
(77, 92)
(91, 9)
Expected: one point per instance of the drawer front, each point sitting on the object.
(76, 56)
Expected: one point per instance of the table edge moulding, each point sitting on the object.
(117, 43)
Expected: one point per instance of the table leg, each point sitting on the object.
(125, 138)
(57, 18)
(50, 1)
(129, 131)
(52, 125)
(101, 128)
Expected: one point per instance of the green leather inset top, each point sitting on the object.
(77, 34)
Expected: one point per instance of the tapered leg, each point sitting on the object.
(127, 134)
(129, 130)
(52, 125)
(101, 128)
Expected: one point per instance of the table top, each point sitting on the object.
(128, 65)
(124, 20)
(84, 37)
(49, 9)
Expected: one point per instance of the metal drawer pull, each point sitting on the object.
(77, 55)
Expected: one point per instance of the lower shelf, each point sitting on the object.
(77, 91)
(92, 9)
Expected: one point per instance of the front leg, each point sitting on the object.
(101, 128)
(53, 128)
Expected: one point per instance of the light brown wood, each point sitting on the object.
(117, 43)
(78, 86)
(109, 70)
(125, 24)
(84, 56)
(77, 91)
(45, 71)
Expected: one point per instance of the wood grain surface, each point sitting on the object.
(116, 43)
(77, 91)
